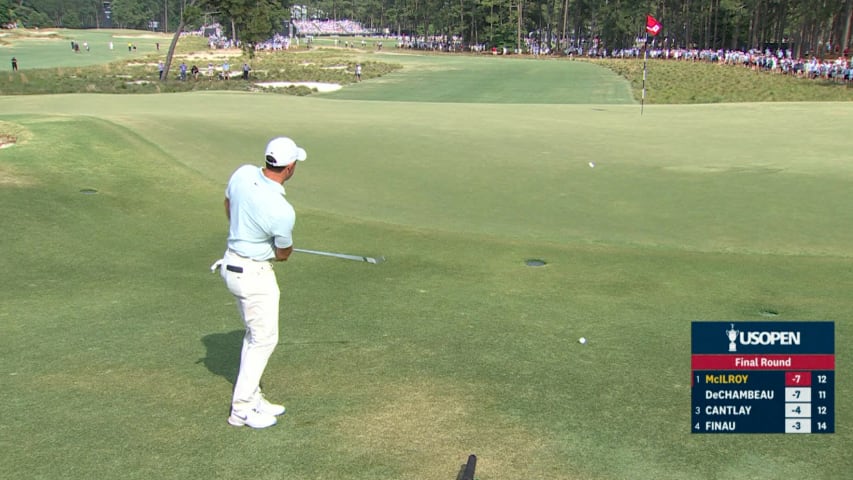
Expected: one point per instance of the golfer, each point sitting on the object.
(261, 225)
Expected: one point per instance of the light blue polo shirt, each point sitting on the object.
(261, 218)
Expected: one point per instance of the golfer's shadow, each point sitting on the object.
(223, 353)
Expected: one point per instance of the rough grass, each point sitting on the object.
(677, 82)
(12, 133)
(141, 75)
(138, 72)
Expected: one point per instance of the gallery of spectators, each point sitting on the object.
(331, 27)
(297, 28)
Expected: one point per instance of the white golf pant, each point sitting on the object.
(254, 286)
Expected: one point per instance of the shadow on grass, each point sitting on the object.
(223, 353)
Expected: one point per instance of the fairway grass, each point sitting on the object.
(119, 347)
(484, 79)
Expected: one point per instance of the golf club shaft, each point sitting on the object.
(357, 258)
(470, 468)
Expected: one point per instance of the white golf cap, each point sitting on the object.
(282, 151)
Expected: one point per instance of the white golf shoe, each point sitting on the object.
(268, 408)
(251, 418)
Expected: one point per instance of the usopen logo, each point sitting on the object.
(736, 337)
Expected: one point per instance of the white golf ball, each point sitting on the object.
(582, 340)
(591, 165)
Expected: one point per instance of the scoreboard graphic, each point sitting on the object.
(763, 377)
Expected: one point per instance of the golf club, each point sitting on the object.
(357, 258)
(468, 469)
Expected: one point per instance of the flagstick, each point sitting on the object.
(645, 53)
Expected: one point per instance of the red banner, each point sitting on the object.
(652, 26)
(763, 362)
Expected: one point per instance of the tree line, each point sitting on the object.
(808, 27)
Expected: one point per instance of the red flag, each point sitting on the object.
(652, 26)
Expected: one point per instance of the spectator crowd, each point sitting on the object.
(330, 27)
(780, 61)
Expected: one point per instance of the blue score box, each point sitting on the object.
(763, 377)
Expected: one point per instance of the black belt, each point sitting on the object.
(234, 268)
